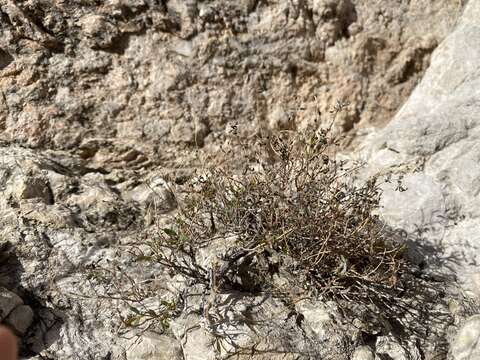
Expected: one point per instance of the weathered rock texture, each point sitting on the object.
(434, 140)
(466, 345)
(58, 222)
(100, 77)
(14, 313)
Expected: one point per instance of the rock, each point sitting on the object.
(396, 350)
(433, 142)
(154, 195)
(53, 216)
(96, 98)
(20, 319)
(466, 345)
(101, 204)
(317, 316)
(476, 284)
(33, 187)
(157, 128)
(27, 28)
(8, 302)
(163, 64)
(363, 353)
(237, 321)
(152, 346)
(279, 119)
(193, 133)
(200, 346)
(101, 32)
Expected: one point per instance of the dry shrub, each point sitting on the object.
(291, 222)
(294, 211)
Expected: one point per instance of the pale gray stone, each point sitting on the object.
(363, 353)
(466, 345)
(434, 142)
(105, 93)
(152, 346)
(279, 119)
(397, 350)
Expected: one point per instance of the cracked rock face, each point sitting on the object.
(177, 73)
(466, 345)
(56, 221)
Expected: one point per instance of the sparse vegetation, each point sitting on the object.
(294, 223)
(299, 207)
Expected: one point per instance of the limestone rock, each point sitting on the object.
(363, 353)
(32, 188)
(95, 99)
(396, 350)
(279, 119)
(13, 312)
(100, 30)
(466, 345)
(433, 142)
(151, 346)
(237, 322)
(164, 66)
(154, 195)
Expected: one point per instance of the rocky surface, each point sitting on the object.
(466, 344)
(98, 100)
(61, 222)
(119, 80)
(434, 141)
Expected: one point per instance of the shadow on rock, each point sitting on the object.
(36, 324)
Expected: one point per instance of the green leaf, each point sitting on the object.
(135, 310)
(170, 232)
(131, 321)
(165, 324)
(144, 258)
(183, 238)
(170, 305)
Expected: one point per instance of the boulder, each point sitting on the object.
(433, 142)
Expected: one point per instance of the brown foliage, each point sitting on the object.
(295, 209)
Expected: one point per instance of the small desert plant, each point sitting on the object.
(292, 222)
(294, 209)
